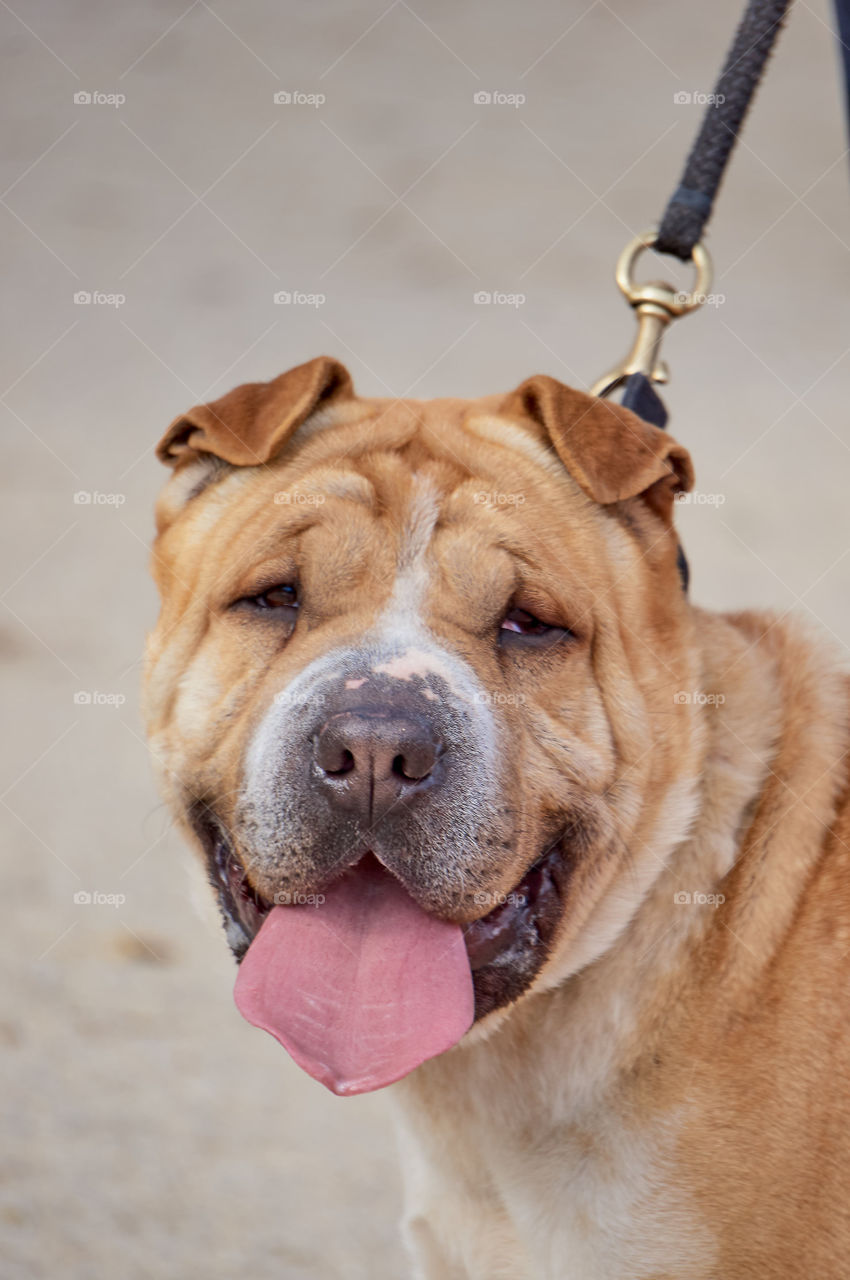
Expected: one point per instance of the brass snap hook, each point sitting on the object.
(656, 304)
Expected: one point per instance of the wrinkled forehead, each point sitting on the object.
(449, 427)
(430, 463)
(410, 495)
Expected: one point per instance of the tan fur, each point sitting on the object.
(669, 1099)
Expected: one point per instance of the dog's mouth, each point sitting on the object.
(243, 909)
(506, 947)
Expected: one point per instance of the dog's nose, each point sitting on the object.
(369, 757)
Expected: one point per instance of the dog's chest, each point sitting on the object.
(600, 1203)
(570, 1203)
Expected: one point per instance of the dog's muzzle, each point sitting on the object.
(375, 750)
(375, 759)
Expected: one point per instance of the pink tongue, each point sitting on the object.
(361, 989)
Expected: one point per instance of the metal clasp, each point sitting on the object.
(656, 304)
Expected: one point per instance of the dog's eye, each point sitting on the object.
(283, 596)
(521, 627)
(524, 624)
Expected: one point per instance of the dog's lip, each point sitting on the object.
(239, 899)
(497, 932)
(492, 935)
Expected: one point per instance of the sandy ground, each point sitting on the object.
(148, 1132)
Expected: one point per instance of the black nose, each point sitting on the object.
(369, 757)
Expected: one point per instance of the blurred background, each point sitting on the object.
(199, 194)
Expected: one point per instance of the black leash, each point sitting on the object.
(690, 205)
(842, 15)
(688, 212)
(641, 397)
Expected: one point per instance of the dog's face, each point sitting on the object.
(441, 635)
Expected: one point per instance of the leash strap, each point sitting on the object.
(842, 15)
(689, 208)
(641, 397)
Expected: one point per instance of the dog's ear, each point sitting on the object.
(250, 424)
(609, 451)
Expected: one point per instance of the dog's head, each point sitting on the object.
(444, 635)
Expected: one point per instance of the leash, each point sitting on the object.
(842, 15)
(688, 210)
(690, 206)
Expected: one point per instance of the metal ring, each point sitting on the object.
(679, 301)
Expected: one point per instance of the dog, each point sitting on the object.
(501, 821)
